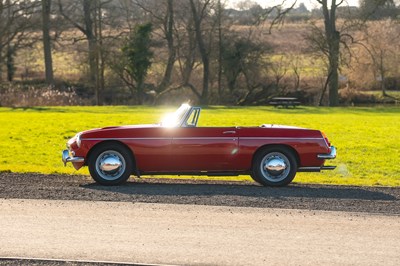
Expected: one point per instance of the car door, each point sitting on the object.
(204, 149)
(152, 148)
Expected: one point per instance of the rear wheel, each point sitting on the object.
(274, 166)
(110, 164)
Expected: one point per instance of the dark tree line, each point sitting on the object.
(197, 46)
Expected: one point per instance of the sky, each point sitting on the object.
(310, 4)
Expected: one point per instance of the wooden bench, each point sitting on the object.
(284, 102)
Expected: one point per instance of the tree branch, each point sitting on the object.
(76, 25)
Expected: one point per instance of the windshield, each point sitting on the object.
(174, 119)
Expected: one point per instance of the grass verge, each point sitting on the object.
(31, 139)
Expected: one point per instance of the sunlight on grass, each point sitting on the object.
(367, 138)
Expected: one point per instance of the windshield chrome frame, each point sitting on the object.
(181, 117)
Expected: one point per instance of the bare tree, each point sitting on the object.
(87, 28)
(329, 41)
(186, 48)
(198, 13)
(162, 14)
(87, 17)
(295, 66)
(188, 38)
(378, 9)
(332, 38)
(380, 51)
(17, 21)
(220, 47)
(279, 69)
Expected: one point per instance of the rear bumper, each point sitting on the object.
(324, 156)
(66, 158)
(328, 156)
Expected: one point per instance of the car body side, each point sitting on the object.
(158, 150)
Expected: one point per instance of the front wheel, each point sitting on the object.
(274, 166)
(110, 164)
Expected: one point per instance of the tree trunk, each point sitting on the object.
(333, 41)
(334, 73)
(101, 57)
(382, 73)
(169, 30)
(203, 53)
(139, 92)
(1, 63)
(321, 98)
(92, 46)
(219, 51)
(88, 11)
(10, 63)
(48, 61)
(98, 50)
(87, 30)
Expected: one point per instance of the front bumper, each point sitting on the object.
(66, 158)
(328, 156)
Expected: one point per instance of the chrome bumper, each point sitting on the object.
(325, 156)
(66, 158)
(328, 156)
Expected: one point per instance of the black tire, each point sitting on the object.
(110, 164)
(282, 166)
(254, 177)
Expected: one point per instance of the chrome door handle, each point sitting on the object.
(229, 132)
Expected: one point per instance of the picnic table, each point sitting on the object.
(285, 102)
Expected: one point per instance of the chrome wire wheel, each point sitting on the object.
(110, 165)
(275, 167)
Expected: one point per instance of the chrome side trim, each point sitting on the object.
(233, 138)
(67, 159)
(328, 167)
(315, 169)
(284, 138)
(247, 138)
(188, 138)
(126, 139)
(328, 156)
(309, 169)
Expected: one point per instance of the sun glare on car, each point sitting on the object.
(173, 119)
(169, 120)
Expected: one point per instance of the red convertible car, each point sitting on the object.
(270, 154)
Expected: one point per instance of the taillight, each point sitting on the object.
(326, 139)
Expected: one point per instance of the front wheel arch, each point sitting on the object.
(110, 163)
(110, 142)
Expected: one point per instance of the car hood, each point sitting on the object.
(129, 127)
(107, 131)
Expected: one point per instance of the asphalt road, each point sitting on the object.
(186, 222)
(215, 193)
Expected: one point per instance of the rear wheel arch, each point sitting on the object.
(274, 165)
(284, 146)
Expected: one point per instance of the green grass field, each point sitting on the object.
(367, 139)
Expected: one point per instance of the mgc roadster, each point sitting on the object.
(270, 154)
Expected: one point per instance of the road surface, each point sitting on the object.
(196, 223)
